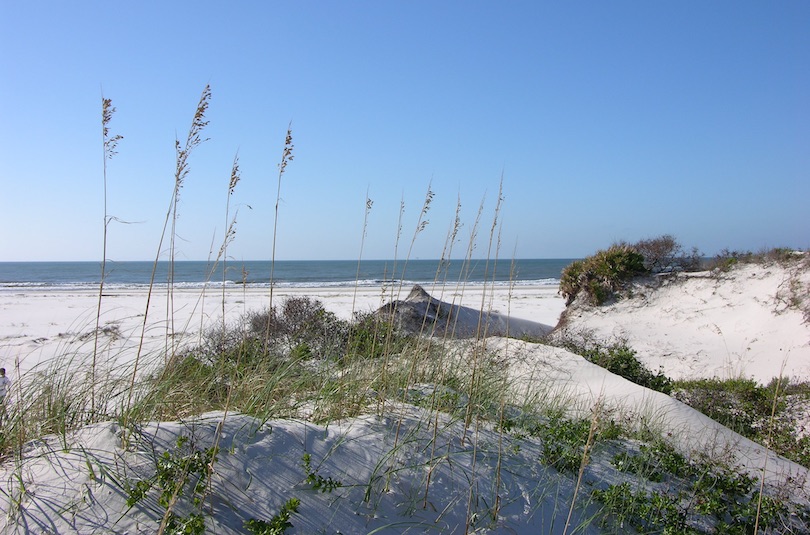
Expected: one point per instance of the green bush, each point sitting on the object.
(745, 406)
(182, 471)
(564, 442)
(372, 337)
(301, 321)
(727, 258)
(279, 524)
(656, 462)
(602, 275)
(740, 404)
(622, 361)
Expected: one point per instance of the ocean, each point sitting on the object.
(310, 273)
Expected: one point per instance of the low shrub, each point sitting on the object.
(746, 406)
(727, 258)
(602, 275)
(371, 336)
(706, 494)
(564, 442)
(302, 321)
(270, 363)
(664, 254)
(656, 462)
(622, 361)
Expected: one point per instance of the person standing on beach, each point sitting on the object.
(5, 387)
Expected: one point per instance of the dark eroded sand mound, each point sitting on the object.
(422, 314)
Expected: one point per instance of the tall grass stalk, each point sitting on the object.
(596, 416)
(421, 224)
(183, 152)
(383, 394)
(464, 273)
(369, 204)
(483, 312)
(440, 278)
(771, 422)
(479, 351)
(109, 144)
(444, 261)
(210, 270)
(286, 158)
(181, 172)
(221, 256)
(503, 401)
(230, 232)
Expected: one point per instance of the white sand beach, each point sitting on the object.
(38, 325)
(701, 326)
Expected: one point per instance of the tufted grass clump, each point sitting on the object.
(273, 363)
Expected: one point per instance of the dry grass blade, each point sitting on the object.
(181, 171)
(286, 158)
(110, 144)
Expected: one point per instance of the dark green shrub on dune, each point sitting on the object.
(602, 275)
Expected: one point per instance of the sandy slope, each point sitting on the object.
(736, 324)
(382, 464)
(260, 467)
(538, 370)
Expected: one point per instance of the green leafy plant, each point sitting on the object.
(646, 512)
(181, 471)
(277, 525)
(318, 482)
(745, 406)
(621, 360)
(655, 461)
(709, 493)
(564, 442)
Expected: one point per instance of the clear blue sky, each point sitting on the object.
(607, 121)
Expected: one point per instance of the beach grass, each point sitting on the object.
(449, 406)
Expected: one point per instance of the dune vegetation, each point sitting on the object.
(293, 420)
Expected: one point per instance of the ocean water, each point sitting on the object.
(309, 273)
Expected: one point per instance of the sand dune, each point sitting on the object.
(369, 474)
(726, 325)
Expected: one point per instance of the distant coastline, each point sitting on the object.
(286, 273)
